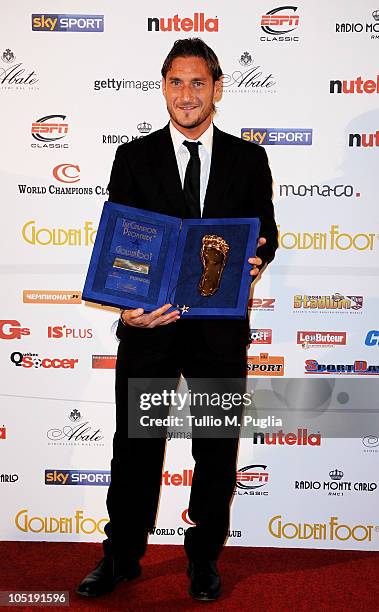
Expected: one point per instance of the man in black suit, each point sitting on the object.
(187, 169)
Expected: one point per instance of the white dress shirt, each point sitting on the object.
(183, 156)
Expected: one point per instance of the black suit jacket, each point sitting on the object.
(145, 174)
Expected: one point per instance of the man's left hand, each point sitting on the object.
(256, 261)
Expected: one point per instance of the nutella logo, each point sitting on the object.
(197, 23)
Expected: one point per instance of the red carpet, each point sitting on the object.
(261, 579)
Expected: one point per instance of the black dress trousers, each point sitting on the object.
(136, 469)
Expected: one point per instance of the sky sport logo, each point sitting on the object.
(278, 136)
(67, 23)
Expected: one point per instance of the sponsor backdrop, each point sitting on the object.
(77, 80)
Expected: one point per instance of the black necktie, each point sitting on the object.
(191, 186)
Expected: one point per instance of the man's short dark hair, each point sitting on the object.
(193, 47)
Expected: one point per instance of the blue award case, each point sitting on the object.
(143, 259)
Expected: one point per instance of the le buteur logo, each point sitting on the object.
(197, 23)
(67, 23)
(309, 339)
(358, 368)
(332, 240)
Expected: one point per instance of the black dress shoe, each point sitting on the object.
(205, 580)
(106, 575)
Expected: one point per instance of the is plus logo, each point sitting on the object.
(12, 330)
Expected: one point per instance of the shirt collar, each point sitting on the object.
(178, 138)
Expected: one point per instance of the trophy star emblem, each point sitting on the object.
(183, 308)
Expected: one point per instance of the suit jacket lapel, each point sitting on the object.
(165, 168)
(221, 173)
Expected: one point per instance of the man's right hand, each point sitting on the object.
(137, 318)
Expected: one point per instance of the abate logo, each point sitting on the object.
(15, 76)
(66, 173)
(67, 23)
(12, 330)
(198, 23)
(278, 136)
(253, 80)
(81, 433)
